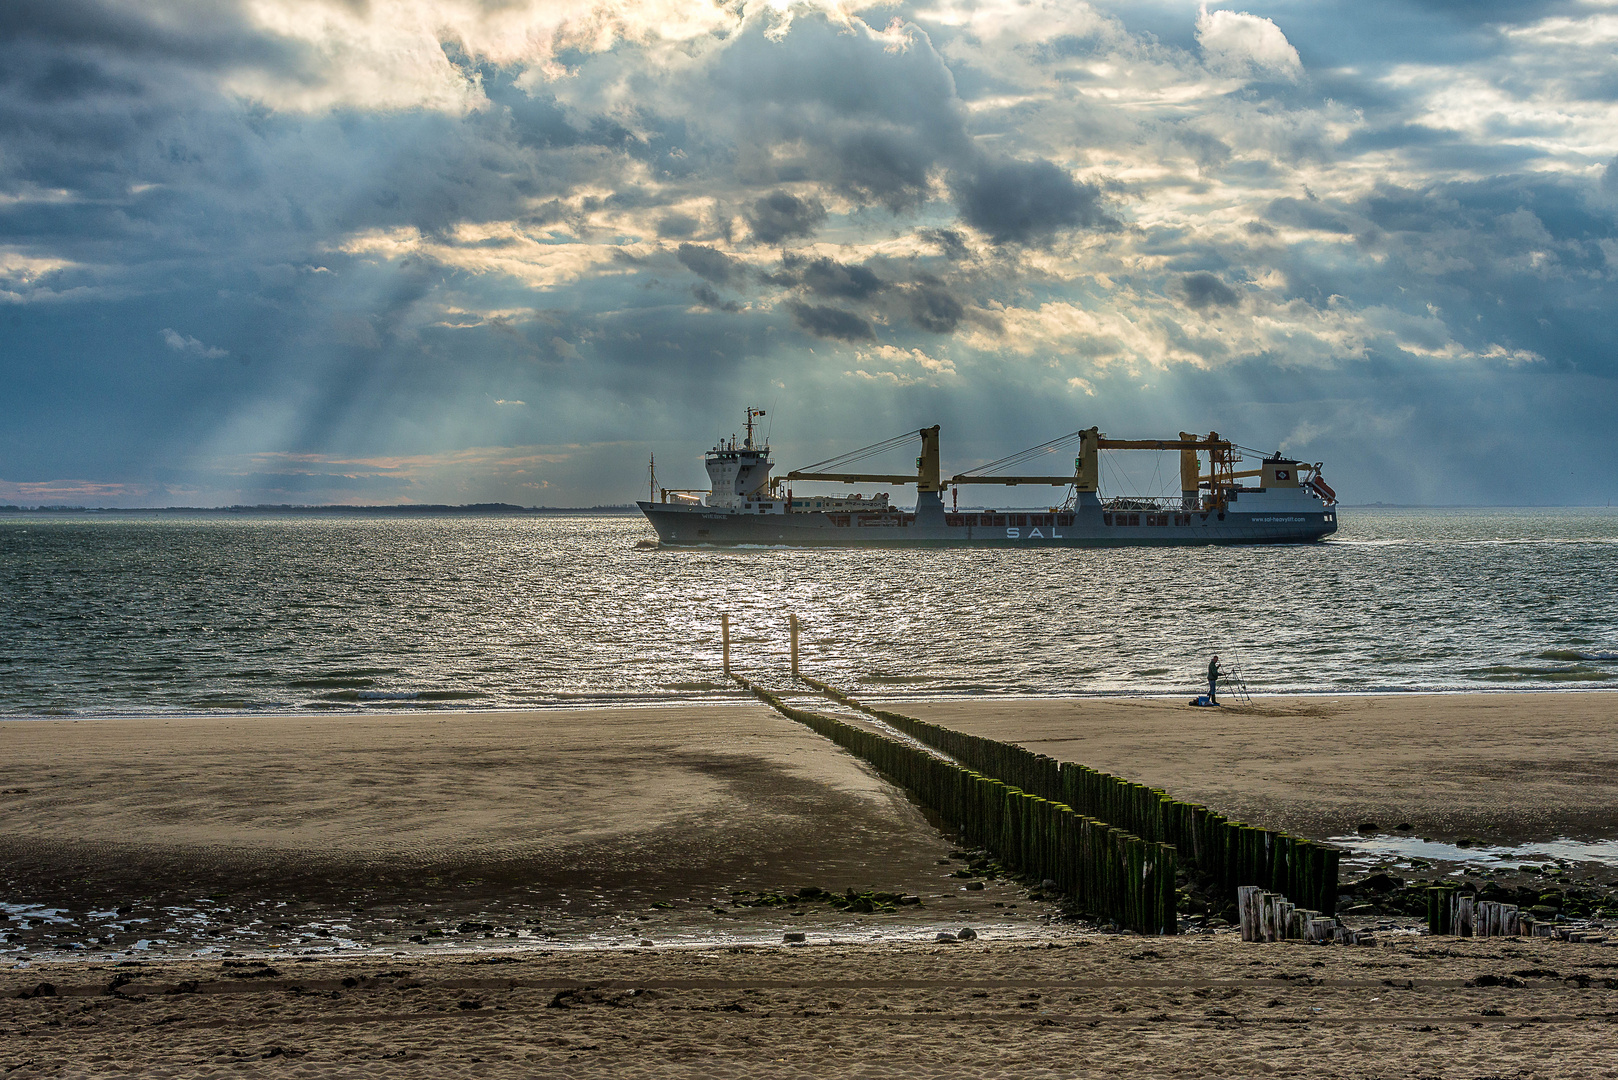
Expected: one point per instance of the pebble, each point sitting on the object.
(967, 934)
(792, 936)
(946, 936)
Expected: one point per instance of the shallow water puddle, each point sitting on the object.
(1604, 852)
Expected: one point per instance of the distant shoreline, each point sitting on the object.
(275, 509)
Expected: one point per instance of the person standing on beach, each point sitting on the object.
(1213, 680)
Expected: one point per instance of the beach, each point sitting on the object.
(600, 887)
(1067, 1006)
(1500, 766)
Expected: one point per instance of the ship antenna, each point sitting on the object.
(652, 479)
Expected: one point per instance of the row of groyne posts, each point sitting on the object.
(1115, 846)
(1455, 912)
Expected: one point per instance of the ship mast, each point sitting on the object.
(751, 412)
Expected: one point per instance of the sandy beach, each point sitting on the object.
(556, 824)
(1068, 1006)
(1505, 767)
(609, 891)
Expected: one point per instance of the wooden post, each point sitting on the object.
(1461, 918)
(792, 624)
(1249, 909)
(724, 634)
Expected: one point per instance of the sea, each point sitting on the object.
(168, 613)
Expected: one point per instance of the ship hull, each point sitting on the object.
(1089, 525)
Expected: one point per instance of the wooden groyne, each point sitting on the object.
(1268, 917)
(1229, 854)
(1457, 912)
(1107, 870)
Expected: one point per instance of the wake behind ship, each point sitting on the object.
(1288, 504)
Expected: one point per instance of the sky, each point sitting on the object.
(456, 251)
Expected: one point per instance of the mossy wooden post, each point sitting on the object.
(792, 625)
(724, 638)
(1439, 909)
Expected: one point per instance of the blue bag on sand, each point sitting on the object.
(1203, 701)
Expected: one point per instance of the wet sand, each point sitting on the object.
(566, 825)
(1069, 1006)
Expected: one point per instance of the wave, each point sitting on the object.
(1574, 673)
(1573, 655)
(403, 695)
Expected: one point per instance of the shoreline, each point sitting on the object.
(872, 696)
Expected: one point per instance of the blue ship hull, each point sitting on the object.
(1089, 524)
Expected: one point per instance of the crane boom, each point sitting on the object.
(852, 478)
(925, 477)
(1105, 443)
(1011, 481)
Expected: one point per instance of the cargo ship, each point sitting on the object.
(1280, 501)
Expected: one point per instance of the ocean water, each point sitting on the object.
(135, 614)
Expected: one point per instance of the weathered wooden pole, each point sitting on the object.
(724, 633)
(792, 623)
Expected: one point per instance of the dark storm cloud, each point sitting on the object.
(706, 296)
(907, 292)
(1203, 290)
(934, 308)
(830, 322)
(825, 276)
(845, 109)
(781, 215)
(710, 264)
(877, 125)
(201, 33)
(950, 243)
(675, 225)
(1027, 201)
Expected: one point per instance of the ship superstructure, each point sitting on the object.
(745, 505)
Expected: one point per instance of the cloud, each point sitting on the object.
(190, 345)
(934, 308)
(677, 224)
(707, 297)
(937, 366)
(1239, 43)
(824, 276)
(1026, 201)
(830, 322)
(782, 215)
(1203, 290)
(868, 114)
(710, 264)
